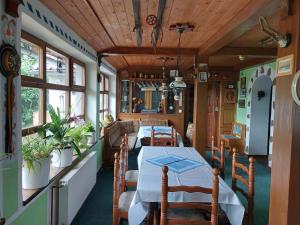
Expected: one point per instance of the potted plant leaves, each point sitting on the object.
(80, 136)
(90, 129)
(57, 131)
(36, 163)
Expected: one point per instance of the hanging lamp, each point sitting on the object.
(178, 85)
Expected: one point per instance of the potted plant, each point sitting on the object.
(36, 163)
(80, 136)
(57, 130)
(90, 129)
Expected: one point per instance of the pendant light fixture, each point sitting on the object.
(164, 87)
(178, 84)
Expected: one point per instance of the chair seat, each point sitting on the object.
(125, 200)
(188, 214)
(131, 175)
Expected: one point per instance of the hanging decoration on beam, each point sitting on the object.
(283, 40)
(178, 84)
(157, 29)
(137, 21)
(151, 19)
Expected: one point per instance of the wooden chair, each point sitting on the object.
(130, 176)
(218, 155)
(249, 183)
(121, 199)
(189, 213)
(163, 139)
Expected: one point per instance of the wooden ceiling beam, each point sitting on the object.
(248, 51)
(149, 51)
(243, 22)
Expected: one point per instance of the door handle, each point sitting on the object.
(294, 88)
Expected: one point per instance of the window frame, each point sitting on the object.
(41, 83)
(104, 93)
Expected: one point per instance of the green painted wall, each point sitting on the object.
(10, 189)
(241, 113)
(36, 213)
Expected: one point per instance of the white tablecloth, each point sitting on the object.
(145, 131)
(149, 185)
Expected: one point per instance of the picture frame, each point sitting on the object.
(242, 103)
(202, 76)
(230, 96)
(243, 89)
(285, 66)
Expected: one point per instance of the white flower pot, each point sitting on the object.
(36, 177)
(92, 138)
(62, 158)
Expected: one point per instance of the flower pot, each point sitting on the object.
(37, 176)
(92, 139)
(62, 158)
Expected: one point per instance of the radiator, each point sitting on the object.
(75, 187)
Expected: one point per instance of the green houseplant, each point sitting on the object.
(57, 131)
(90, 129)
(36, 162)
(80, 136)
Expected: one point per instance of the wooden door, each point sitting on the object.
(213, 111)
(228, 98)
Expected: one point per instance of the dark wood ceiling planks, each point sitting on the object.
(107, 24)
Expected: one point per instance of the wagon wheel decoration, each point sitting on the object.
(151, 19)
(10, 64)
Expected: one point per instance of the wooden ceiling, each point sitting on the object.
(109, 24)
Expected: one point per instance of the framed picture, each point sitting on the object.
(243, 89)
(285, 65)
(202, 76)
(242, 103)
(229, 96)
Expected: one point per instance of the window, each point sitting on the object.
(49, 76)
(104, 96)
(57, 71)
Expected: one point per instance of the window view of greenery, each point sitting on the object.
(57, 68)
(31, 107)
(30, 59)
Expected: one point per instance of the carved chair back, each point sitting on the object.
(163, 138)
(212, 208)
(218, 156)
(247, 182)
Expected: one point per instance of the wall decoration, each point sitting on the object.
(285, 65)
(295, 93)
(202, 76)
(8, 30)
(243, 89)
(242, 103)
(10, 64)
(229, 96)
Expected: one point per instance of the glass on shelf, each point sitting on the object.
(125, 96)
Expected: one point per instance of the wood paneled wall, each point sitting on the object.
(285, 179)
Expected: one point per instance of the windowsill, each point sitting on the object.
(55, 173)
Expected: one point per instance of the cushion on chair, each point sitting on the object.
(125, 200)
(131, 175)
(189, 214)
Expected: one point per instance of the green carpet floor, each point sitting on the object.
(97, 209)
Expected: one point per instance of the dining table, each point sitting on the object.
(186, 167)
(145, 132)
